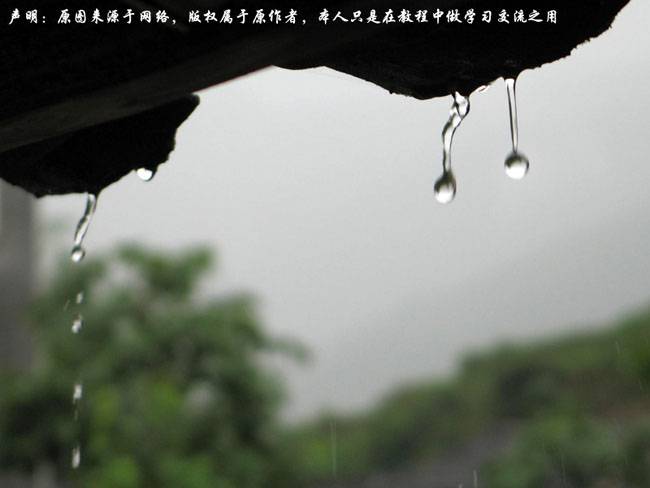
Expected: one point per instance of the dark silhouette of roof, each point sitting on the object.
(59, 80)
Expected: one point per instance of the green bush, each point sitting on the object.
(175, 392)
(558, 451)
(636, 455)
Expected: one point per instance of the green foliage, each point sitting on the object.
(414, 423)
(575, 451)
(636, 455)
(563, 393)
(558, 451)
(175, 392)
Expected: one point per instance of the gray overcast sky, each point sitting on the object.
(316, 190)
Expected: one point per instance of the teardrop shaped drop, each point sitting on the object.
(516, 163)
(145, 174)
(444, 189)
(77, 254)
(516, 166)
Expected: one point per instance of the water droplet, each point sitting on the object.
(516, 166)
(78, 251)
(444, 189)
(146, 174)
(80, 298)
(77, 324)
(77, 254)
(516, 163)
(77, 393)
(76, 456)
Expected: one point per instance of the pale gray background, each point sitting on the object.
(315, 188)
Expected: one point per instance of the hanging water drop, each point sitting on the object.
(77, 324)
(78, 252)
(516, 164)
(444, 189)
(80, 298)
(146, 174)
(76, 456)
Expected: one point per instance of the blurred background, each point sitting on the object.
(285, 304)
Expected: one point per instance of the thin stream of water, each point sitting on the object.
(444, 188)
(78, 252)
(77, 255)
(516, 164)
(511, 87)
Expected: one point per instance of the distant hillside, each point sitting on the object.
(570, 412)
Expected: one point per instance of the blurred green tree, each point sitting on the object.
(176, 391)
(562, 450)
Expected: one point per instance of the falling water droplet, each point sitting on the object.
(77, 324)
(444, 189)
(146, 174)
(77, 393)
(516, 164)
(77, 255)
(76, 456)
(78, 251)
